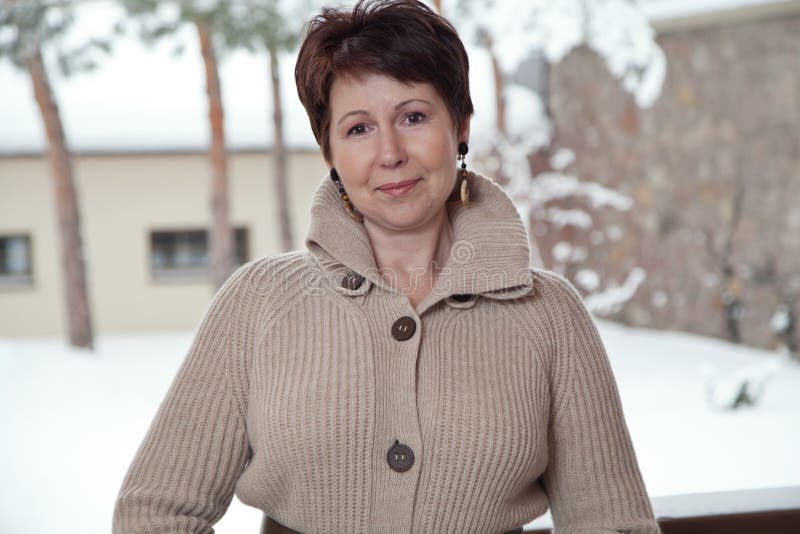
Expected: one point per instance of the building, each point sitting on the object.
(143, 218)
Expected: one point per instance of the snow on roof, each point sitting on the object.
(669, 9)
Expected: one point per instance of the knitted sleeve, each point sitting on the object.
(183, 476)
(592, 479)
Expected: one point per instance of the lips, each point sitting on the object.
(398, 189)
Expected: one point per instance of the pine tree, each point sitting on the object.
(273, 26)
(159, 20)
(37, 27)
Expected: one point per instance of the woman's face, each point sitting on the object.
(386, 132)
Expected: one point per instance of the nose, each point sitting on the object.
(392, 150)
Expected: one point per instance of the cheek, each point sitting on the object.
(349, 161)
(345, 158)
(437, 150)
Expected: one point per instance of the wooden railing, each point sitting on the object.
(775, 522)
(763, 511)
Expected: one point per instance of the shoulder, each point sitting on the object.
(537, 289)
(563, 302)
(269, 273)
(554, 288)
(268, 280)
(550, 309)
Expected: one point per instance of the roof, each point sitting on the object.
(668, 9)
(675, 15)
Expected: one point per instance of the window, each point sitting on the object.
(177, 253)
(15, 260)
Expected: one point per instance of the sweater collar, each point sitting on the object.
(490, 255)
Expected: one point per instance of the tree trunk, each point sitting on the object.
(499, 83)
(731, 292)
(499, 105)
(790, 331)
(221, 249)
(279, 154)
(77, 301)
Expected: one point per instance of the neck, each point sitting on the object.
(416, 257)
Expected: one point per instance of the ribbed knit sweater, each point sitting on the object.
(298, 383)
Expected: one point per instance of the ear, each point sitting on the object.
(463, 135)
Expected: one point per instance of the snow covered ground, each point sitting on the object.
(71, 421)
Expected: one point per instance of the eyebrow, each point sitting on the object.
(364, 112)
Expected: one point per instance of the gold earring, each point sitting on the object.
(462, 157)
(348, 206)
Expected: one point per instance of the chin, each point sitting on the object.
(411, 220)
(404, 222)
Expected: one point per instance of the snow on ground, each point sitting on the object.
(71, 422)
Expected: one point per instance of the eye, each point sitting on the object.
(358, 129)
(415, 117)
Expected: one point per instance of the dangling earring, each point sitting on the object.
(462, 157)
(343, 195)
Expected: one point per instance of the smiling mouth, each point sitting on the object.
(399, 188)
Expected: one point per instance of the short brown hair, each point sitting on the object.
(403, 39)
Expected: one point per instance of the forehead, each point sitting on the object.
(375, 91)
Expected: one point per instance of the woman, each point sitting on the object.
(409, 371)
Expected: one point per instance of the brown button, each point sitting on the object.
(400, 457)
(352, 280)
(403, 328)
(462, 297)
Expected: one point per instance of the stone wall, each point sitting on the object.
(714, 171)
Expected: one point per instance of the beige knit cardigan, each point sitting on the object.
(295, 388)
